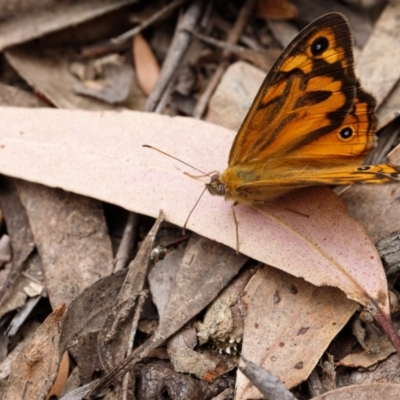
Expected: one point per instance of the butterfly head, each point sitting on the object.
(216, 186)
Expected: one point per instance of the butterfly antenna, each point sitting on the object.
(191, 211)
(177, 159)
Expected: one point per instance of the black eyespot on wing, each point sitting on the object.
(346, 133)
(366, 168)
(319, 45)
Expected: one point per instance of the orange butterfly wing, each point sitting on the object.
(311, 122)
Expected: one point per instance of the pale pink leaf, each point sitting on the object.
(100, 154)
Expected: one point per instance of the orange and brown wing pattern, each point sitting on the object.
(308, 95)
(349, 143)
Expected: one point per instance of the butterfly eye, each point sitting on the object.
(216, 186)
(319, 45)
(346, 133)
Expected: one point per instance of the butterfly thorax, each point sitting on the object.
(240, 185)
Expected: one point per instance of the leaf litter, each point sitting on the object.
(99, 155)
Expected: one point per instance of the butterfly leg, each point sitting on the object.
(236, 226)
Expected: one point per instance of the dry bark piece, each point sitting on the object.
(71, 236)
(289, 324)
(389, 251)
(36, 367)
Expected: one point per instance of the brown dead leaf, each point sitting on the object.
(36, 367)
(71, 237)
(59, 15)
(85, 318)
(288, 326)
(113, 86)
(115, 339)
(365, 392)
(146, 64)
(61, 379)
(271, 9)
(328, 248)
(378, 210)
(194, 287)
(5, 250)
(49, 75)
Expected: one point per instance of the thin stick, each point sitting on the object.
(154, 18)
(233, 37)
(138, 310)
(176, 51)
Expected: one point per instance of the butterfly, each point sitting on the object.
(311, 122)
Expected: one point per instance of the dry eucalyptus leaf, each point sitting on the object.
(146, 64)
(61, 379)
(288, 326)
(85, 318)
(365, 392)
(71, 236)
(365, 359)
(377, 208)
(195, 286)
(49, 74)
(162, 277)
(34, 24)
(270, 9)
(112, 87)
(327, 248)
(36, 367)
